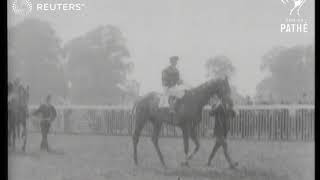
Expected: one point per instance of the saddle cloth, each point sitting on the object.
(176, 91)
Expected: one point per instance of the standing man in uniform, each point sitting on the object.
(48, 114)
(171, 81)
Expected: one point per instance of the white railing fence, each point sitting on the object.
(276, 122)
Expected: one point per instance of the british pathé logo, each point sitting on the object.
(21, 7)
(294, 5)
(294, 23)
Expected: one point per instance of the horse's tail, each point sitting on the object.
(134, 108)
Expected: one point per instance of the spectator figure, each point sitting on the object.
(47, 113)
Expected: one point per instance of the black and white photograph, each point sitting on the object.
(161, 89)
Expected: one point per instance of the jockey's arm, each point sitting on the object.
(179, 80)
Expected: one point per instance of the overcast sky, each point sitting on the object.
(192, 29)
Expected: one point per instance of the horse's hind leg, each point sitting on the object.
(194, 138)
(25, 137)
(17, 127)
(13, 136)
(9, 134)
(155, 138)
(140, 122)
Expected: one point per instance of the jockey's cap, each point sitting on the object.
(174, 58)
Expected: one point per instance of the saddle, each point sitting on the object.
(170, 102)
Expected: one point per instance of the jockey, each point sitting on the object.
(172, 82)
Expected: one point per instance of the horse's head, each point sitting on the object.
(219, 87)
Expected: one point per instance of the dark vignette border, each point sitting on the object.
(4, 79)
(317, 133)
(3, 91)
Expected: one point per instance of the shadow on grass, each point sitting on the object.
(209, 173)
(35, 154)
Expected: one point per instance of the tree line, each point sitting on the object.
(290, 76)
(93, 68)
(89, 69)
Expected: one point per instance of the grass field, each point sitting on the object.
(79, 157)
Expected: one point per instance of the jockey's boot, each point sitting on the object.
(171, 110)
(172, 105)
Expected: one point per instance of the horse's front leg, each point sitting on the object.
(155, 138)
(185, 135)
(194, 137)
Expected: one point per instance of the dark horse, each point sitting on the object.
(187, 117)
(18, 98)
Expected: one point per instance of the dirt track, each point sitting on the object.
(80, 157)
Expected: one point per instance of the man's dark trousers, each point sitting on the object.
(45, 126)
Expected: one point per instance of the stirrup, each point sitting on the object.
(171, 110)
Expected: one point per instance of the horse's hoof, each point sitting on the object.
(190, 157)
(185, 164)
(234, 166)
(136, 163)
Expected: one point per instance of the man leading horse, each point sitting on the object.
(223, 112)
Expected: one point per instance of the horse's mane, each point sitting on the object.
(205, 85)
(18, 93)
